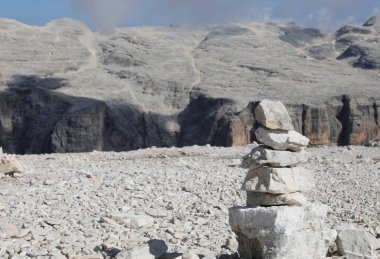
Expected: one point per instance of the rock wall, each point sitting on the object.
(27, 119)
(38, 120)
(340, 120)
(35, 120)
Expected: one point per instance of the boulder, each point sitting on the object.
(281, 140)
(10, 165)
(151, 250)
(282, 232)
(353, 242)
(264, 156)
(277, 180)
(268, 199)
(273, 115)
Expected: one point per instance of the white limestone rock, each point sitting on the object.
(138, 221)
(151, 250)
(277, 180)
(353, 242)
(10, 165)
(375, 242)
(273, 115)
(281, 140)
(282, 232)
(189, 255)
(268, 199)
(264, 156)
(8, 230)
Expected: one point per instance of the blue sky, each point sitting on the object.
(99, 14)
(35, 11)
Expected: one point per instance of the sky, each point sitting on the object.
(326, 15)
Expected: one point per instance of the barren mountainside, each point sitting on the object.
(64, 88)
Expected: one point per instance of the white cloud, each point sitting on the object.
(376, 11)
(105, 14)
(325, 14)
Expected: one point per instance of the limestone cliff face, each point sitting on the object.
(27, 119)
(64, 88)
(345, 122)
(340, 120)
(80, 129)
(42, 121)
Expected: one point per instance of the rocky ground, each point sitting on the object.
(93, 205)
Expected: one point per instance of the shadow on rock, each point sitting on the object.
(33, 81)
(36, 119)
(107, 252)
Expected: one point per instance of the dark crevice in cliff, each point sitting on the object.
(303, 119)
(344, 117)
(205, 121)
(255, 125)
(144, 131)
(376, 115)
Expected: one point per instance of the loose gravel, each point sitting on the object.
(94, 205)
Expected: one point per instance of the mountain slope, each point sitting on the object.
(65, 88)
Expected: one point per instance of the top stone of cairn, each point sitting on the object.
(273, 115)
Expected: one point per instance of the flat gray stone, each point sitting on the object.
(281, 139)
(268, 199)
(277, 180)
(264, 156)
(273, 115)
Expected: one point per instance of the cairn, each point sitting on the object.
(278, 222)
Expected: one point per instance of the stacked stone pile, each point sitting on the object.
(9, 164)
(273, 178)
(278, 222)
